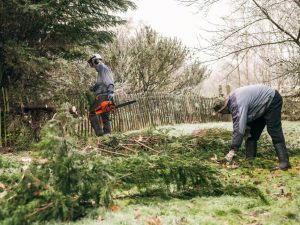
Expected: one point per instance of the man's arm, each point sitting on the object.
(109, 81)
(239, 126)
(239, 116)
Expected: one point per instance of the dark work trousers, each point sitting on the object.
(271, 119)
(101, 122)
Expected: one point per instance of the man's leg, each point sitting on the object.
(105, 117)
(256, 128)
(94, 119)
(274, 127)
(106, 123)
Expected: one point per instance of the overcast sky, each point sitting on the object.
(173, 19)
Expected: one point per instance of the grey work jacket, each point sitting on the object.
(104, 81)
(246, 104)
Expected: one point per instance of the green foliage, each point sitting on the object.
(65, 183)
(10, 170)
(148, 182)
(149, 62)
(192, 75)
(172, 176)
(20, 133)
(64, 186)
(7, 163)
(34, 33)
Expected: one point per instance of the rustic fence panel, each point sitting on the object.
(152, 110)
(291, 108)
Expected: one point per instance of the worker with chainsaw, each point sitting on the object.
(254, 107)
(103, 91)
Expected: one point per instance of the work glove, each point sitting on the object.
(111, 96)
(230, 155)
(73, 111)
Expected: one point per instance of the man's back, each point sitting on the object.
(254, 98)
(104, 79)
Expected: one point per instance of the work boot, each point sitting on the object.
(283, 156)
(96, 125)
(251, 148)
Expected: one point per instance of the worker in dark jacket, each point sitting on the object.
(255, 106)
(103, 90)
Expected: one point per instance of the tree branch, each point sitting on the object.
(240, 28)
(265, 12)
(246, 48)
(297, 2)
(240, 63)
(298, 36)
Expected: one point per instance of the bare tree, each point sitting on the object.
(265, 32)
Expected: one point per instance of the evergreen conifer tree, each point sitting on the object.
(34, 32)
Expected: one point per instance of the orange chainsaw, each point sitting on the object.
(105, 106)
(109, 106)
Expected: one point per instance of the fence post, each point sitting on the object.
(220, 91)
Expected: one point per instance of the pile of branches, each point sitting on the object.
(66, 182)
(155, 142)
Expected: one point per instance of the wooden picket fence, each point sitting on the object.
(291, 108)
(151, 110)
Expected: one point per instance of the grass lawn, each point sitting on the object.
(280, 203)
